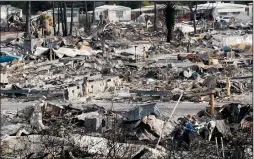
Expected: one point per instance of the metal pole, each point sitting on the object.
(217, 147)
(222, 147)
(168, 120)
(176, 105)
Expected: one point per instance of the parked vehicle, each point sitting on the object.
(228, 19)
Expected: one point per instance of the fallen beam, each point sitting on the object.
(243, 77)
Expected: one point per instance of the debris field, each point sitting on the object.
(107, 94)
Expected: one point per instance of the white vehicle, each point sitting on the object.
(228, 19)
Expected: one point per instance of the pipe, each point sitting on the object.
(169, 119)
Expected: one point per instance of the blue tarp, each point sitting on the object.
(226, 48)
(7, 57)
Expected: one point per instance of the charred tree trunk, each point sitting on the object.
(87, 20)
(58, 18)
(140, 12)
(54, 26)
(194, 22)
(71, 18)
(85, 27)
(28, 14)
(170, 19)
(93, 19)
(155, 17)
(65, 21)
(8, 27)
(193, 13)
(62, 18)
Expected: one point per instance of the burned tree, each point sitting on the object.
(58, 18)
(28, 14)
(65, 19)
(86, 16)
(62, 17)
(193, 14)
(170, 19)
(71, 18)
(93, 19)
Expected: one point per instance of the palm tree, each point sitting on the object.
(54, 26)
(72, 4)
(170, 19)
(28, 14)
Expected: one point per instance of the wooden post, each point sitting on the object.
(231, 54)
(50, 55)
(209, 59)
(144, 54)
(85, 88)
(212, 103)
(228, 85)
(54, 55)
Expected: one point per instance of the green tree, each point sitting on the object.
(146, 3)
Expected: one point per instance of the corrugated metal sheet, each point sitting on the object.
(141, 111)
(223, 127)
(229, 10)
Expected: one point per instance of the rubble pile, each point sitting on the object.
(79, 87)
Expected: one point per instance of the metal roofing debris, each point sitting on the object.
(141, 111)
